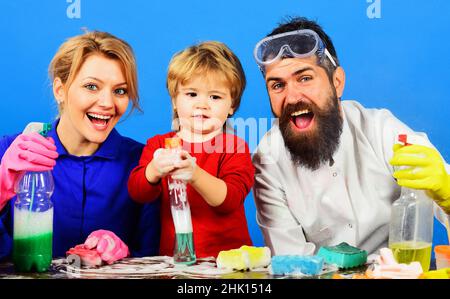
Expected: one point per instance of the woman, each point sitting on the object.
(94, 78)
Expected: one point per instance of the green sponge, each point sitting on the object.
(343, 255)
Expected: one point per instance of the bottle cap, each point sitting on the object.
(171, 143)
(409, 139)
(443, 250)
(402, 138)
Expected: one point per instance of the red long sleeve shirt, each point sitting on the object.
(224, 227)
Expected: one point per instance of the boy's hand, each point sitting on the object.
(185, 168)
(162, 164)
(427, 172)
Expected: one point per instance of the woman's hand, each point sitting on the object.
(28, 152)
(108, 245)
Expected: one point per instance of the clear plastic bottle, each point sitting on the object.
(33, 219)
(411, 225)
(184, 252)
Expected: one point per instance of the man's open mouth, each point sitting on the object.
(302, 119)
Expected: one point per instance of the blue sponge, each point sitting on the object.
(296, 264)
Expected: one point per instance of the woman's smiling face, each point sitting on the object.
(94, 101)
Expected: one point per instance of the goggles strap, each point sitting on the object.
(330, 57)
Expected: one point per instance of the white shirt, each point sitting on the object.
(299, 210)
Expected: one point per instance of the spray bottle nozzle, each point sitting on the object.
(402, 138)
(41, 128)
(45, 129)
(410, 139)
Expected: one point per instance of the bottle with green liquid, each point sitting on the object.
(184, 252)
(411, 225)
(33, 217)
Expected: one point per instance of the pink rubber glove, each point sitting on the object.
(109, 246)
(28, 152)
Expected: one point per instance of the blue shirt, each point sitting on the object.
(91, 193)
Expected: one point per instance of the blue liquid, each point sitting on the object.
(184, 249)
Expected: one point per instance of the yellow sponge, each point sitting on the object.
(246, 257)
(259, 256)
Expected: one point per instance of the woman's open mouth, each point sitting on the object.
(99, 121)
(302, 119)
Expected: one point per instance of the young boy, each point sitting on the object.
(205, 82)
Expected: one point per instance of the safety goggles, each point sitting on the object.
(294, 44)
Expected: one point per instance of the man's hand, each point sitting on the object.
(426, 172)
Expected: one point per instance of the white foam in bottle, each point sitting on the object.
(27, 224)
(182, 220)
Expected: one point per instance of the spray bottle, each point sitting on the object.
(33, 216)
(181, 214)
(411, 225)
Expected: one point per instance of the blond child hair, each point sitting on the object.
(206, 59)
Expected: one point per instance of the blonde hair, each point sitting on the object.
(73, 53)
(206, 59)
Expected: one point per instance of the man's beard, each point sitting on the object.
(313, 148)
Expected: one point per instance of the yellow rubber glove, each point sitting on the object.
(426, 172)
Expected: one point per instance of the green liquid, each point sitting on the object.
(33, 253)
(407, 252)
(184, 249)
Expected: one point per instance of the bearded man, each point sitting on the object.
(325, 171)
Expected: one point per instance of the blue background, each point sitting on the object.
(399, 61)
